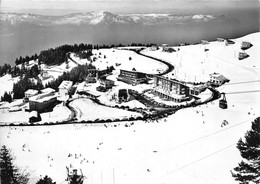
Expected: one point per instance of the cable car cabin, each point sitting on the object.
(223, 102)
(73, 177)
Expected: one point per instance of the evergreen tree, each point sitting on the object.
(10, 174)
(7, 97)
(45, 180)
(248, 170)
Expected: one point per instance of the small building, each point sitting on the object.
(229, 42)
(169, 49)
(153, 48)
(42, 102)
(217, 79)
(132, 77)
(196, 90)
(245, 45)
(30, 92)
(122, 95)
(48, 90)
(204, 42)
(65, 87)
(242, 55)
(45, 74)
(34, 116)
(220, 39)
(164, 45)
(170, 89)
(106, 83)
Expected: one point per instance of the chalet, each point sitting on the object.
(217, 79)
(42, 102)
(65, 88)
(132, 77)
(170, 89)
(204, 42)
(242, 55)
(30, 92)
(220, 39)
(229, 42)
(153, 48)
(245, 45)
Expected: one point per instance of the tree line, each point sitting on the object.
(57, 55)
(52, 56)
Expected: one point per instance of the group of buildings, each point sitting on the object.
(47, 97)
(171, 89)
(244, 46)
(166, 88)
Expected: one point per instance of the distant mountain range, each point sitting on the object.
(107, 18)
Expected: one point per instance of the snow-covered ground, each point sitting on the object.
(189, 146)
(111, 57)
(86, 109)
(60, 113)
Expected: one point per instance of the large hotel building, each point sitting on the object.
(170, 89)
(132, 77)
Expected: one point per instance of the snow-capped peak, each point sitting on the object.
(104, 17)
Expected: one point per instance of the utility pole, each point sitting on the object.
(114, 176)
(101, 178)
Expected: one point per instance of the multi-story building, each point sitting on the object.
(170, 89)
(30, 92)
(132, 77)
(92, 76)
(65, 88)
(42, 102)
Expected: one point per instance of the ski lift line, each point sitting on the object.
(244, 82)
(185, 144)
(239, 92)
(230, 62)
(201, 159)
(209, 135)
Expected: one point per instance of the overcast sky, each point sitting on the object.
(115, 6)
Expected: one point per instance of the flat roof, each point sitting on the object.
(43, 97)
(31, 92)
(171, 80)
(47, 90)
(66, 85)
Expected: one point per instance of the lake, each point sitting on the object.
(28, 41)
